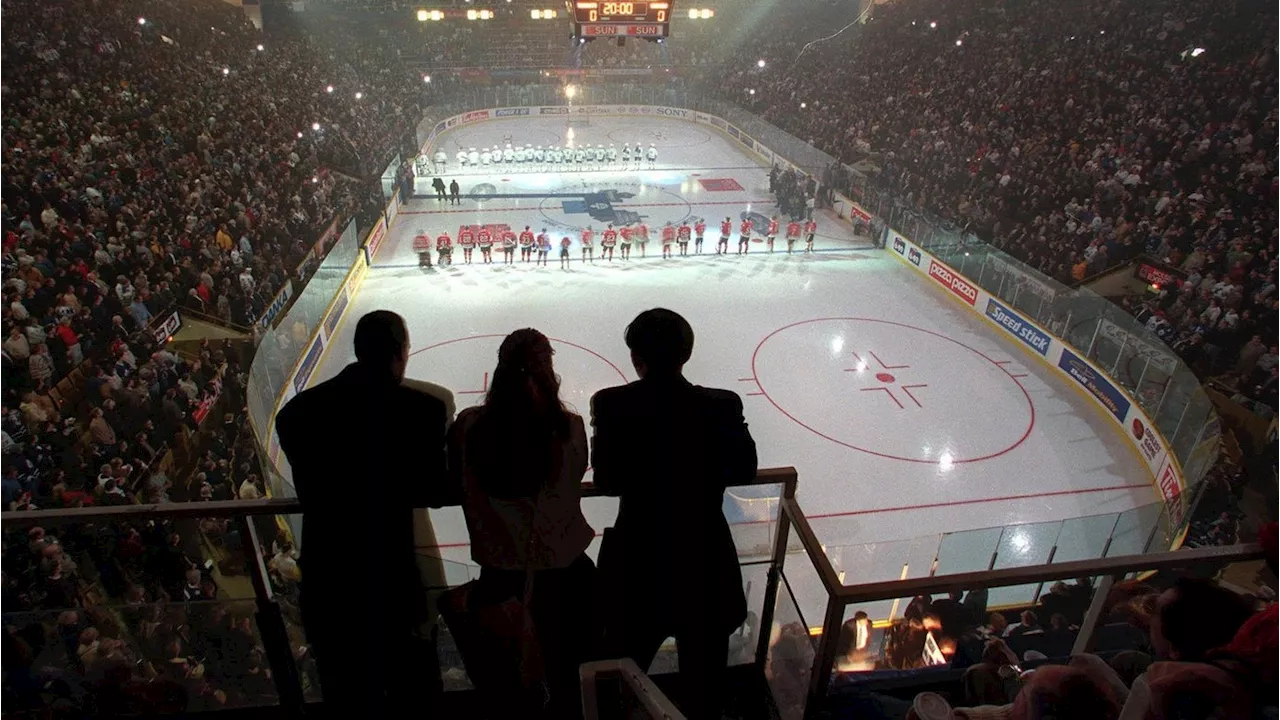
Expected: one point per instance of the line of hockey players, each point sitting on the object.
(532, 158)
(536, 248)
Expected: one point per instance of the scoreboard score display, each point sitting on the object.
(598, 18)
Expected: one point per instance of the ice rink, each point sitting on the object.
(905, 415)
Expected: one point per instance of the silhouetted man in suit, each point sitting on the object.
(366, 447)
(669, 564)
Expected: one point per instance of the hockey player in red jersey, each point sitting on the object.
(508, 247)
(565, 242)
(467, 240)
(526, 244)
(642, 238)
(793, 234)
(444, 247)
(682, 238)
(624, 237)
(772, 233)
(588, 253)
(810, 228)
(607, 241)
(422, 246)
(668, 239)
(726, 229)
(744, 236)
(544, 247)
(699, 229)
(484, 239)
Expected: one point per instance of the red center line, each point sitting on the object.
(925, 506)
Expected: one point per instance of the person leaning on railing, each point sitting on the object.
(366, 449)
(518, 461)
(669, 566)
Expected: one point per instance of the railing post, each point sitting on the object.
(1085, 636)
(275, 639)
(765, 628)
(824, 659)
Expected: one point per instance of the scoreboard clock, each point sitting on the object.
(610, 19)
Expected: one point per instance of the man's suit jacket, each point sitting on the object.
(668, 449)
(364, 455)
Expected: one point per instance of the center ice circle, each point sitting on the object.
(465, 366)
(893, 390)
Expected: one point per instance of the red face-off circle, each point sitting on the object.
(893, 390)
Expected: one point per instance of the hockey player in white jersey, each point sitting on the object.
(520, 156)
(652, 155)
(508, 154)
(462, 158)
(612, 155)
(579, 157)
(638, 155)
(441, 160)
(473, 157)
(486, 157)
(539, 156)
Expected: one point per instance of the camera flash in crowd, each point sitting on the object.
(803, 106)
(142, 21)
(933, 26)
(959, 43)
(314, 179)
(328, 88)
(261, 48)
(315, 126)
(299, 134)
(359, 95)
(760, 63)
(226, 71)
(426, 78)
(1197, 52)
(751, 91)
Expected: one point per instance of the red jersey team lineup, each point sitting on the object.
(614, 242)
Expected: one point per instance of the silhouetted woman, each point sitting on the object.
(520, 458)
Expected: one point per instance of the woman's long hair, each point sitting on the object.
(514, 447)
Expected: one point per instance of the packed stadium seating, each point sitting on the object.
(160, 156)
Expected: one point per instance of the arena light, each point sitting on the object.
(486, 14)
(694, 13)
(570, 91)
(437, 15)
(707, 13)
(423, 16)
(535, 14)
(472, 14)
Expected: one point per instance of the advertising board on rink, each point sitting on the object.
(1134, 424)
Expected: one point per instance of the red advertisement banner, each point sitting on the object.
(953, 282)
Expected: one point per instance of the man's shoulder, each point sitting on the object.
(424, 394)
(615, 394)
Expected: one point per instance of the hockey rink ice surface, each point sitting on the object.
(905, 415)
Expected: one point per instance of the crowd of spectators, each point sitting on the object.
(1075, 136)
(156, 157)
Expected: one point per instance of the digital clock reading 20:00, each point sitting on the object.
(590, 12)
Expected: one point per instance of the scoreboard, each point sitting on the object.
(610, 19)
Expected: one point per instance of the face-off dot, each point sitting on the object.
(884, 377)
